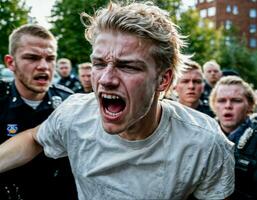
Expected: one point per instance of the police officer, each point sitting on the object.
(27, 102)
(233, 101)
(189, 88)
(66, 78)
(84, 73)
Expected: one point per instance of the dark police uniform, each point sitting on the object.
(206, 93)
(42, 178)
(245, 139)
(205, 108)
(71, 82)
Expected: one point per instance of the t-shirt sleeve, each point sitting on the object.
(52, 132)
(218, 178)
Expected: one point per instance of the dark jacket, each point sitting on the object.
(245, 139)
(45, 176)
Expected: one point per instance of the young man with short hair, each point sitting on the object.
(233, 101)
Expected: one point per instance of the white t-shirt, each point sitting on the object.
(187, 153)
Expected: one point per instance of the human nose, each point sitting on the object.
(191, 84)
(228, 104)
(43, 64)
(109, 77)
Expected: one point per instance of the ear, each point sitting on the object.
(165, 80)
(9, 62)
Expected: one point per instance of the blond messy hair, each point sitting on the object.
(144, 20)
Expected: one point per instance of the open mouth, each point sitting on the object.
(113, 105)
(228, 115)
(41, 77)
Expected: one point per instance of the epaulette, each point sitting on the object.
(61, 88)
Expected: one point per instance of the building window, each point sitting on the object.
(252, 13)
(209, 0)
(252, 28)
(203, 13)
(211, 11)
(253, 43)
(228, 9)
(235, 10)
(228, 24)
(201, 1)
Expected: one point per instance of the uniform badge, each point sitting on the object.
(12, 129)
(56, 101)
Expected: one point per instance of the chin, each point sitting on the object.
(112, 129)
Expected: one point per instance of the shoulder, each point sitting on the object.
(73, 77)
(189, 123)
(60, 90)
(189, 116)
(79, 106)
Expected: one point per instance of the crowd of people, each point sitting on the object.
(131, 125)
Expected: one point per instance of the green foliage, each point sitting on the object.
(13, 13)
(235, 55)
(69, 30)
(202, 39)
(172, 6)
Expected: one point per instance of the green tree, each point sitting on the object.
(13, 13)
(69, 30)
(202, 38)
(235, 55)
(172, 6)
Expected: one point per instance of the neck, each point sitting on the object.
(146, 126)
(87, 90)
(190, 104)
(29, 94)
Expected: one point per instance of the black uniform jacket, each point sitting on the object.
(15, 117)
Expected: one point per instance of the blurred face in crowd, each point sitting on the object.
(125, 80)
(212, 74)
(231, 106)
(190, 87)
(64, 69)
(33, 65)
(85, 79)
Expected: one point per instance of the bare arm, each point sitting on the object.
(19, 150)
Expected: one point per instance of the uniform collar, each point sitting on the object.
(238, 132)
(17, 101)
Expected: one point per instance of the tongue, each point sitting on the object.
(114, 107)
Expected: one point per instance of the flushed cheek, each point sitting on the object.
(93, 80)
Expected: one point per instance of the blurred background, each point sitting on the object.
(224, 30)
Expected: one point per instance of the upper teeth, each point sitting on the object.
(109, 96)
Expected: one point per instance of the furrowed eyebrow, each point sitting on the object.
(133, 62)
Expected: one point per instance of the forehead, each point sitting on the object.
(85, 71)
(230, 91)
(211, 67)
(36, 43)
(192, 74)
(112, 45)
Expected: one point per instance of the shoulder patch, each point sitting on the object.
(62, 88)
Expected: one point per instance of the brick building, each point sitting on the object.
(239, 13)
